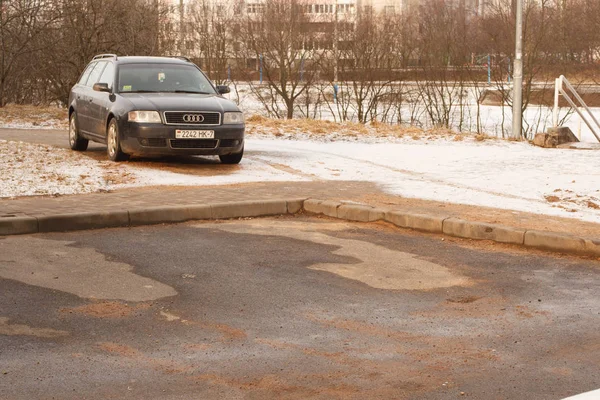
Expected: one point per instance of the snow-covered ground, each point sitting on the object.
(492, 173)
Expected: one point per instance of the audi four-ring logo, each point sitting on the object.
(193, 118)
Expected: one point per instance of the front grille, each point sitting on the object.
(194, 143)
(153, 142)
(197, 118)
(229, 143)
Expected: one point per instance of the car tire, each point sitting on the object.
(234, 158)
(113, 142)
(76, 142)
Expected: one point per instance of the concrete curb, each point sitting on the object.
(18, 225)
(80, 221)
(477, 230)
(25, 224)
(419, 222)
(550, 241)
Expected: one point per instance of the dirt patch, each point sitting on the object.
(119, 349)
(24, 330)
(198, 346)
(463, 299)
(228, 333)
(593, 205)
(339, 356)
(107, 309)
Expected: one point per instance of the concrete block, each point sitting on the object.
(421, 222)
(562, 135)
(355, 212)
(80, 221)
(244, 209)
(555, 242)
(312, 206)
(326, 207)
(169, 214)
(294, 206)
(18, 225)
(482, 231)
(592, 246)
(544, 140)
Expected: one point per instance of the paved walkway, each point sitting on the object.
(361, 192)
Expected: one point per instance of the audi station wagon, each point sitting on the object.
(153, 106)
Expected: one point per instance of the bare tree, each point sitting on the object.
(279, 42)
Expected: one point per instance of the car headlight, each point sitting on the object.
(233, 118)
(147, 117)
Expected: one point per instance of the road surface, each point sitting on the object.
(291, 308)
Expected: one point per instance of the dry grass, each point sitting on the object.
(320, 129)
(36, 115)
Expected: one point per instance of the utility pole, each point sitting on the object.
(517, 122)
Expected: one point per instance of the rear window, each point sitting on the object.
(95, 74)
(86, 74)
(171, 78)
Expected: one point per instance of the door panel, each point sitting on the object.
(80, 96)
(100, 102)
(84, 112)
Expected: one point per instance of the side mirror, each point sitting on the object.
(101, 87)
(222, 89)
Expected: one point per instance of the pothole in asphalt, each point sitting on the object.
(80, 271)
(377, 266)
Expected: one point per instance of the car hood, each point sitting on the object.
(179, 102)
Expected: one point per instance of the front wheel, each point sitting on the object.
(113, 143)
(76, 142)
(234, 158)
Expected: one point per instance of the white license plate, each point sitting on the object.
(187, 134)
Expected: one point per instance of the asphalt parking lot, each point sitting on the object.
(292, 308)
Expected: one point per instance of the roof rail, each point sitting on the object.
(101, 56)
(184, 58)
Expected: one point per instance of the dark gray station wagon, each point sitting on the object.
(152, 106)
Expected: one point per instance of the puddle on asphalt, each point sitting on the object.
(377, 266)
(24, 330)
(80, 271)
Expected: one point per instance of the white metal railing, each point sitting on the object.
(561, 84)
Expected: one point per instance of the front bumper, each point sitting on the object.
(156, 139)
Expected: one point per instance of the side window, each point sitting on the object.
(95, 74)
(86, 74)
(108, 75)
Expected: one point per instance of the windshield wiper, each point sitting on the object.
(139, 91)
(189, 91)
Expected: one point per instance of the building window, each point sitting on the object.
(255, 8)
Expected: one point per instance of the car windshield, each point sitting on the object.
(163, 78)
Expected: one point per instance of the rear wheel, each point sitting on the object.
(234, 158)
(113, 143)
(76, 142)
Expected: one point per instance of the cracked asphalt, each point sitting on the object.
(292, 308)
